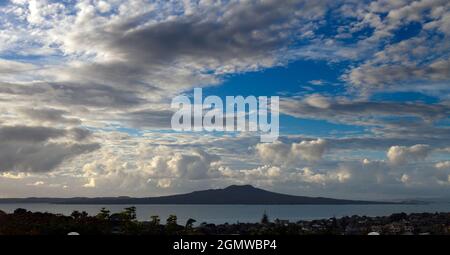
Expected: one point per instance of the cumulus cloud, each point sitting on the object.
(198, 165)
(403, 154)
(309, 176)
(159, 166)
(90, 184)
(261, 172)
(282, 153)
(443, 165)
(164, 183)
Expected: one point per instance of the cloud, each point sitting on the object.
(9, 68)
(261, 172)
(119, 59)
(49, 115)
(309, 176)
(39, 157)
(144, 165)
(35, 134)
(29, 134)
(198, 165)
(90, 184)
(12, 175)
(345, 111)
(149, 118)
(37, 149)
(388, 74)
(317, 82)
(164, 183)
(403, 154)
(280, 153)
(317, 101)
(443, 165)
(416, 62)
(151, 47)
(37, 183)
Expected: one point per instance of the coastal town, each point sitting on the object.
(395, 224)
(23, 222)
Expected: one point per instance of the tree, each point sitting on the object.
(172, 227)
(20, 211)
(104, 214)
(172, 220)
(265, 218)
(190, 223)
(76, 215)
(84, 214)
(130, 213)
(155, 220)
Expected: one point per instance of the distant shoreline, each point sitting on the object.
(232, 195)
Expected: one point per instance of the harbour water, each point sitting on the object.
(239, 213)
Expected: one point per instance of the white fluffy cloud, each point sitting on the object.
(194, 166)
(286, 154)
(160, 166)
(403, 154)
(443, 165)
(309, 176)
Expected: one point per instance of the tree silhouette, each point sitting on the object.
(172, 227)
(172, 220)
(84, 214)
(155, 220)
(104, 214)
(76, 215)
(130, 213)
(265, 218)
(190, 223)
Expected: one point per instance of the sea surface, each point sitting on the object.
(238, 213)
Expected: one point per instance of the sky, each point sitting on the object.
(86, 86)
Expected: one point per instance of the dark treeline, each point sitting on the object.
(23, 222)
